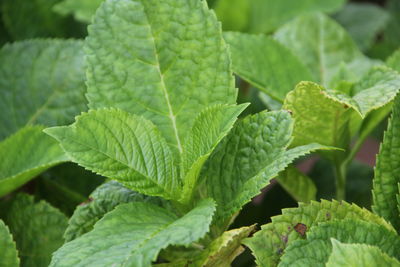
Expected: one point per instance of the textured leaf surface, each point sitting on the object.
(163, 60)
(123, 147)
(26, 154)
(363, 21)
(37, 229)
(269, 243)
(253, 153)
(9, 254)
(298, 185)
(223, 250)
(41, 82)
(83, 10)
(262, 16)
(322, 45)
(104, 199)
(387, 177)
(315, 250)
(266, 64)
(133, 234)
(358, 255)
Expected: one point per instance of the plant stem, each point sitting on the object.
(340, 170)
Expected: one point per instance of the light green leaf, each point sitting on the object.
(394, 60)
(37, 229)
(363, 21)
(269, 243)
(209, 128)
(83, 10)
(223, 250)
(244, 162)
(322, 45)
(104, 199)
(123, 147)
(315, 250)
(9, 254)
(266, 64)
(264, 16)
(298, 185)
(26, 154)
(387, 178)
(358, 255)
(41, 82)
(133, 234)
(164, 61)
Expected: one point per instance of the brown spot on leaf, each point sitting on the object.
(90, 199)
(284, 239)
(345, 106)
(301, 228)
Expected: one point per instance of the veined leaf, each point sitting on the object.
(297, 184)
(41, 82)
(37, 229)
(208, 130)
(162, 61)
(104, 199)
(269, 243)
(266, 64)
(253, 153)
(386, 180)
(83, 10)
(363, 21)
(359, 255)
(26, 154)
(129, 149)
(133, 234)
(315, 250)
(322, 45)
(9, 254)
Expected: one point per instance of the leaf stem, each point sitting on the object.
(340, 171)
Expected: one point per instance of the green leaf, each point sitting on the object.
(41, 82)
(9, 254)
(82, 10)
(266, 64)
(223, 250)
(104, 199)
(394, 60)
(209, 128)
(358, 255)
(37, 229)
(253, 153)
(124, 147)
(298, 185)
(133, 234)
(269, 243)
(363, 21)
(385, 183)
(26, 154)
(163, 61)
(322, 45)
(264, 16)
(315, 250)
(29, 19)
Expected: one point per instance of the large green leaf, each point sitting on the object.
(363, 21)
(266, 64)
(244, 162)
(133, 234)
(9, 254)
(41, 82)
(123, 147)
(163, 61)
(323, 45)
(83, 10)
(315, 250)
(37, 229)
(263, 16)
(104, 199)
(269, 243)
(359, 255)
(26, 154)
(387, 178)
